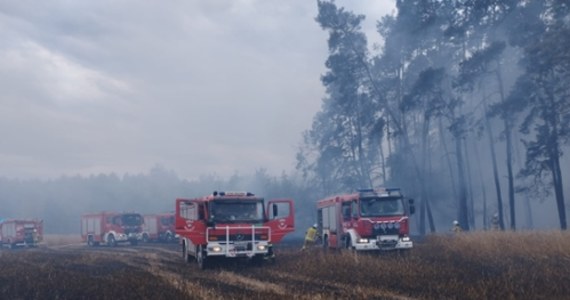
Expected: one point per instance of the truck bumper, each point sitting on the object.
(128, 237)
(385, 243)
(246, 249)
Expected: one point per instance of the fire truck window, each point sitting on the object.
(355, 209)
(201, 212)
(346, 211)
(188, 210)
(167, 221)
(282, 211)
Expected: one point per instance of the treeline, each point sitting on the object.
(60, 202)
(466, 106)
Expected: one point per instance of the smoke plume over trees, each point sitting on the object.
(456, 92)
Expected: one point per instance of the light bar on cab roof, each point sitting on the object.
(233, 193)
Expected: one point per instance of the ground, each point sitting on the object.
(471, 266)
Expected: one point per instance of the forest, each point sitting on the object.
(464, 106)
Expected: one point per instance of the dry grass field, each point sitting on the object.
(485, 265)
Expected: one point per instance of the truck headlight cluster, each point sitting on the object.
(216, 249)
(406, 239)
(261, 247)
(362, 241)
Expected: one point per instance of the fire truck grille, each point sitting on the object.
(385, 231)
(29, 235)
(239, 237)
(129, 230)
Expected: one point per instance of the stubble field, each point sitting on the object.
(485, 265)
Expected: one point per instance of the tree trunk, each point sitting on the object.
(509, 142)
(510, 174)
(557, 175)
(462, 214)
(471, 204)
(495, 170)
(448, 160)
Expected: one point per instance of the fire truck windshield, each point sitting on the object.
(131, 220)
(233, 211)
(385, 206)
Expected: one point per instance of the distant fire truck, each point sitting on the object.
(371, 219)
(159, 228)
(111, 228)
(21, 233)
(232, 224)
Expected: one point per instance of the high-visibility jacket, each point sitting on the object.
(311, 234)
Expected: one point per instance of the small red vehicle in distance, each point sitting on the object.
(159, 228)
(21, 232)
(232, 224)
(111, 228)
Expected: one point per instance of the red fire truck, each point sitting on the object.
(371, 219)
(111, 228)
(232, 224)
(158, 228)
(17, 233)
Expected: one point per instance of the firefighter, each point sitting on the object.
(495, 222)
(310, 237)
(456, 228)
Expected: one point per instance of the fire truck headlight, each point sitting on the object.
(261, 247)
(406, 239)
(216, 249)
(362, 241)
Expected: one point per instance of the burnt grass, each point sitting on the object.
(64, 275)
(480, 265)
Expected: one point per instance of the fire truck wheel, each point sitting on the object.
(200, 257)
(257, 260)
(326, 243)
(111, 241)
(348, 244)
(185, 254)
(90, 242)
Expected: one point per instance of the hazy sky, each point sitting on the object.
(198, 87)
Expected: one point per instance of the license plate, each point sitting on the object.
(388, 238)
(240, 246)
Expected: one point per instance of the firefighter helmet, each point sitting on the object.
(455, 222)
(315, 225)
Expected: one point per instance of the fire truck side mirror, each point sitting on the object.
(412, 206)
(275, 212)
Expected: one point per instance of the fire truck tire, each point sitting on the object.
(201, 258)
(326, 243)
(90, 242)
(111, 241)
(348, 244)
(257, 260)
(185, 255)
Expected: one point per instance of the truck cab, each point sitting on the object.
(231, 224)
(371, 219)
